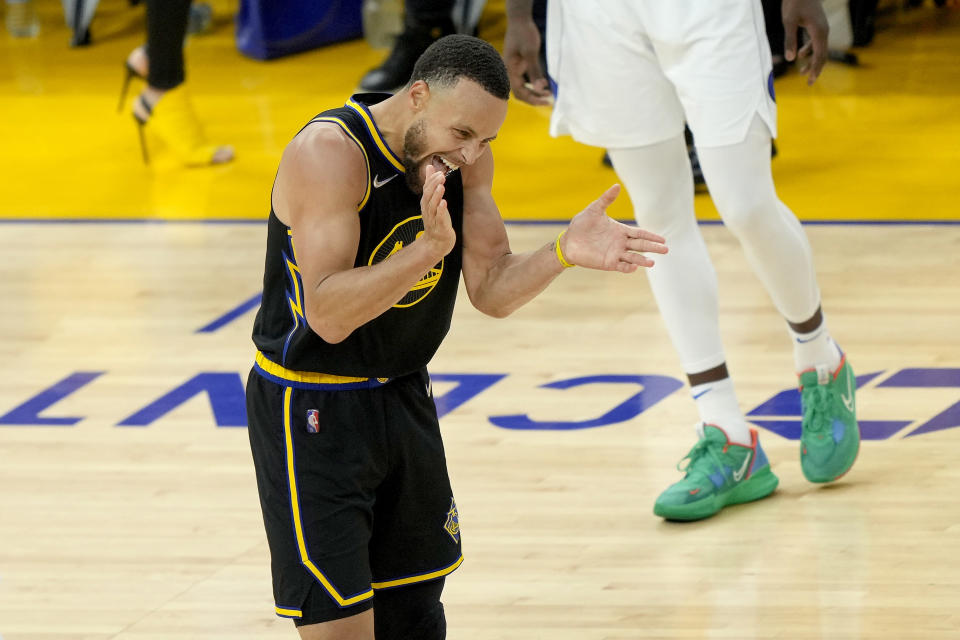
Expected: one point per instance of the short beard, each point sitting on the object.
(412, 148)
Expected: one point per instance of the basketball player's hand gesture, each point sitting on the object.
(808, 14)
(437, 227)
(597, 241)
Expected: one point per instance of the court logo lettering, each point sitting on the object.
(781, 414)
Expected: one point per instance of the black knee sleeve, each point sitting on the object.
(410, 613)
(431, 626)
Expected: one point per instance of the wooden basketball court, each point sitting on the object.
(128, 508)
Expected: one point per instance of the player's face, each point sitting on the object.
(454, 129)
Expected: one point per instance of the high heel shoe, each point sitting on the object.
(141, 123)
(173, 121)
(129, 74)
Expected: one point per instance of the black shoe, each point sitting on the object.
(397, 68)
(844, 57)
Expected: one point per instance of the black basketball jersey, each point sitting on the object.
(399, 341)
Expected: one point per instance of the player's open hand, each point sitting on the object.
(597, 241)
(437, 227)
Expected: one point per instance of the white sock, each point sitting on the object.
(816, 347)
(717, 404)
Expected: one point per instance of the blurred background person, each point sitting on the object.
(163, 108)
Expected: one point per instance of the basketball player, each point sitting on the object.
(376, 209)
(627, 75)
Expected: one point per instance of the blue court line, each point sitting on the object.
(520, 222)
(231, 315)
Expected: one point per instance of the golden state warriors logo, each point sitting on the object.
(399, 237)
(452, 525)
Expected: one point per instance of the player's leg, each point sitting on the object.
(319, 458)
(777, 248)
(411, 612)
(356, 627)
(633, 110)
(718, 60)
(659, 181)
(416, 525)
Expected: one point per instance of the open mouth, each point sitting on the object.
(442, 164)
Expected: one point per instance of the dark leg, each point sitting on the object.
(710, 375)
(425, 22)
(428, 13)
(166, 28)
(410, 613)
(773, 17)
(810, 325)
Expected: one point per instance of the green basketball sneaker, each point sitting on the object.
(718, 473)
(831, 437)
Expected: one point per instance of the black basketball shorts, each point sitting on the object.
(353, 487)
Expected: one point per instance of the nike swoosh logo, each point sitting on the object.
(802, 341)
(377, 182)
(702, 393)
(848, 396)
(738, 475)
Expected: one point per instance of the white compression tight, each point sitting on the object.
(684, 283)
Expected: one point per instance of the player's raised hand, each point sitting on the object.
(597, 241)
(437, 227)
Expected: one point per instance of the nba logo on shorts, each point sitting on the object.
(313, 421)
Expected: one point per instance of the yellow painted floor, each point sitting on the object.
(877, 142)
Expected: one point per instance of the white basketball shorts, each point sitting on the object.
(630, 72)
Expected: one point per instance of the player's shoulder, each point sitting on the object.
(324, 147)
(323, 140)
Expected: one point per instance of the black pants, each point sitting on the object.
(428, 13)
(166, 28)
(773, 17)
(436, 13)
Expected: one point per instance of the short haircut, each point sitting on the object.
(458, 56)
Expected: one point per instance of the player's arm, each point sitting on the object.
(498, 281)
(321, 180)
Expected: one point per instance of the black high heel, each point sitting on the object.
(141, 124)
(129, 74)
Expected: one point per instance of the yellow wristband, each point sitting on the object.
(556, 245)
